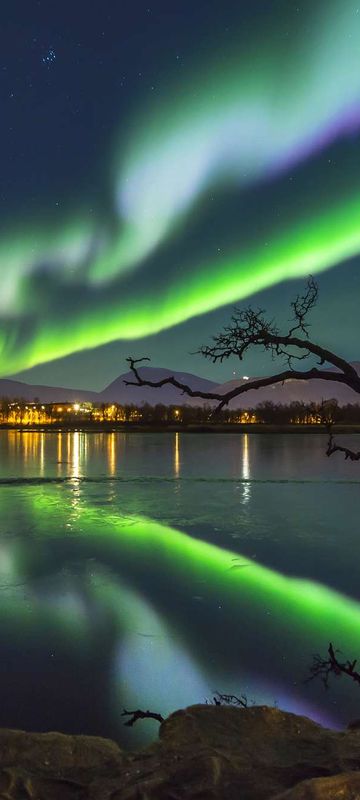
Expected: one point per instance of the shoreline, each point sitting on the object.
(210, 428)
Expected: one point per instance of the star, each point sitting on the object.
(49, 57)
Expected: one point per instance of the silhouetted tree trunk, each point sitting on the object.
(250, 328)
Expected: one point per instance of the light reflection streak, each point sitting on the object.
(59, 453)
(68, 448)
(42, 452)
(75, 460)
(76, 445)
(111, 452)
(177, 455)
(85, 449)
(246, 469)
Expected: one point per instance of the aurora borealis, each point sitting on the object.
(231, 165)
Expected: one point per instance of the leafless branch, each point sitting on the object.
(324, 667)
(224, 399)
(332, 447)
(302, 305)
(221, 699)
(135, 715)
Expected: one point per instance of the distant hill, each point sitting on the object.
(293, 390)
(46, 394)
(118, 392)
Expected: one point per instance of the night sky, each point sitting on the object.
(162, 161)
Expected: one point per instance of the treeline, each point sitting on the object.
(25, 413)
(298, 413)
(192, 415)
(267, 413)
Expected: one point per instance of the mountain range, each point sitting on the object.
(118, 392)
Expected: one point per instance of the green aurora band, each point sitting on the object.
(309, 248)
(89, 283)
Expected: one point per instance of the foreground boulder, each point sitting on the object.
(203, 752)
(339, 787)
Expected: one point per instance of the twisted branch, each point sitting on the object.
(224, 399)
(135, 715)
(220, 699)
(332, 447)
(324, 667)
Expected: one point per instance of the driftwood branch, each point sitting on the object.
(324, 667)
(135, 715)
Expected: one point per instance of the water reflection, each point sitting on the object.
(177, 455)
(59, 453)
(68, 448)
(246, 469)
(150, 576)
(28, 447)
(75, 459)
(42, 453)
(289, 617)
(111, 450)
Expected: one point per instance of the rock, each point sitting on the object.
(52, 766)
(58, 752)
(339, 787)
(259, 750)
(355, 723)
(203, 752)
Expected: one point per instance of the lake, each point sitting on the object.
(152, 570)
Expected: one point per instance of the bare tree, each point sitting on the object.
(251, 328)
(324, 667)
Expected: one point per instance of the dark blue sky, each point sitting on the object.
(72, 72)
